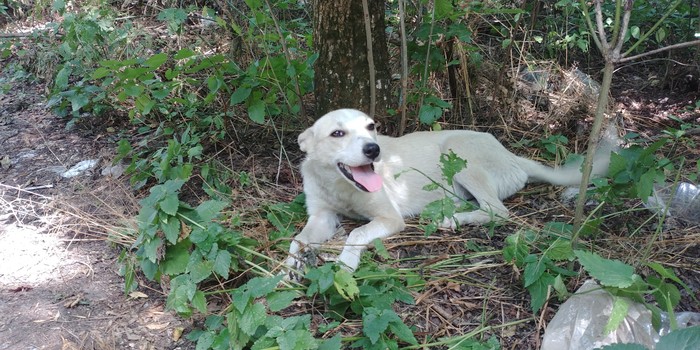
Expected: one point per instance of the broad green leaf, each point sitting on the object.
(199, 301)
(560, 250)
(321, 279)
(623, 347)
(176, 258)
(682, 339)
(660, 34)
(260, 286)
(253, 317)
(256, 111)
(298, 339)
(610, 273)
(205, 341)
(451, 165)
(634, 31)
(222, 264)
(334, 343)
(516, 249)
(200, 270)
(277, 301)
(150, 249)
(78, 101)
(100, 73)
(156, 60)
(170, 204)
(171, 229)
(375, 322)
(539, 290)
(617, 314)
(665, 273)
(184, 53)
(443, 9)
(402, 331)
(345, 284)
(645, 185)
(429, 114)
(61, 80)
(380, 249)
(240, 95)
(534, 269)
(210, 209)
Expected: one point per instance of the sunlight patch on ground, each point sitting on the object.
(29, 257)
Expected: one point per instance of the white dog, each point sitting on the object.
(349, 170)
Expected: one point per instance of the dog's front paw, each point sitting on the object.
(449, 223)
(297, 265)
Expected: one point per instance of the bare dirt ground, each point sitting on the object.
(59, 281)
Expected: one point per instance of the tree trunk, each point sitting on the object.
(342, 70)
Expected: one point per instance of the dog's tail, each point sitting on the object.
(570, 174)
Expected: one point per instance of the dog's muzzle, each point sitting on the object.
(363, 176)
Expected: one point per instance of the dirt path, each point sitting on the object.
(59, 281)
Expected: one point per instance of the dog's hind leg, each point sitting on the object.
(319, 228)
(479, 186)
(359, 238)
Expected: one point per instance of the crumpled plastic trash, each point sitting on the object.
(682, 201)
(580, 322)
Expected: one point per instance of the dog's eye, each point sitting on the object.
(338, 133)
(370, 127)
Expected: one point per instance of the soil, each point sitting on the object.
(60, 286)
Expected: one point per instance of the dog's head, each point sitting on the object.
(347, 140)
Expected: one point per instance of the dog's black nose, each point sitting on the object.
(371, 150)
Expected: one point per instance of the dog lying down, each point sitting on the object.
(349, 170)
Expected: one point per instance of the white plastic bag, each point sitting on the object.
(580, 322)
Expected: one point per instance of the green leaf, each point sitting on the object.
(156, 60)
(61, 80)
(170, 204)
(260, 286)
(381, 249)
(610, 273)
(334, 343)
(200, 270)
(176, 258)
(205, 341)
(278, 301)
(133, 90)
(539, 290)
(375, 322)
(682, 339)
(345, 284)
(240, 95)
(199, 301)
(560, 250)
(623, 347)
(429, 114)
(534, 269)
(516, 249)
(222, 264)
(634, 31)
(253, 317)
(256, 111)
(645, 185)
(183, 53)
(402, 331)
(78, 101)
(100, 73)
(171, 229)
(617, 314)
(298, 339)
(443, 9)
(321, 279)
(451, 165)
(210, 209)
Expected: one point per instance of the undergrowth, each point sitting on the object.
(177, 102)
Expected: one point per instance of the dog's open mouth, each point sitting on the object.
(363, 177)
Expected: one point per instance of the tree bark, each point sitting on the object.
(342, 71)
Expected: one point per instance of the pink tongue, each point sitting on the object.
(367, 177)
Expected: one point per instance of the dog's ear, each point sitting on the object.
(304, 140)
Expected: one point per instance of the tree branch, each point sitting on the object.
(665, 48)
